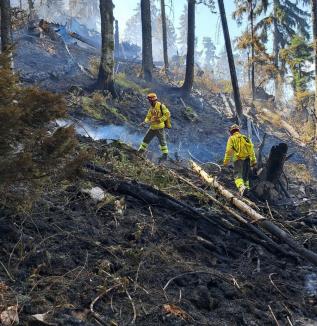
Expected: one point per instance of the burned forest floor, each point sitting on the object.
(129, 242)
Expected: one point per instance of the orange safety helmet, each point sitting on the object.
(234, 128)
(152, 97)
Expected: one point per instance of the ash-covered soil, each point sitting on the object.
(75, 261)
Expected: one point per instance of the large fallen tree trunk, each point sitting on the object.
(154, 197)
(255, 216)
(240, 219)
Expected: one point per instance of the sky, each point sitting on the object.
(207, 23)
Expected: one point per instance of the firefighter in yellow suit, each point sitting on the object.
(241, 150)
(158, 118)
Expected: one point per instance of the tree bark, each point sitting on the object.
(31, 5)
(105, 76)
(190, 58)
(275, 48)
(6, 34)
(233, 74)
(147, 55)
(252, 51)
(116, 41)
(314, 23)
(164, 33)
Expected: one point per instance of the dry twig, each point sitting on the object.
(100, 296)
(272, 313)
(133, 307)
(278, 290)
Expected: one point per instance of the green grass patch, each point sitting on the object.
(116, 113)
(89, 107)
(122, 81)
(190, 114)
(97, 108)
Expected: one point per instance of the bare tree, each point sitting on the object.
(233, 74)
(190, 58)
(147, 54)
(105, 76)
(6, 34)
(164, 31)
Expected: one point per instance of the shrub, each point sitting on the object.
(32, 149)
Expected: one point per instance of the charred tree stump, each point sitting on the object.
(269, 182)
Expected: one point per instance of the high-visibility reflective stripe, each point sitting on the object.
(164, 149)
(143, 146)
(239, 182)
(247, 184)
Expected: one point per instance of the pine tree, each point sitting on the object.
(314, 24)
(164, 35)
(210, 51)
(147, 54)
(183, 30)
(29, 153)
(105, 76)
(250, 8)
(133, 32)
(297, 55)
(284, 20)
(6, 33)
(233, 73)
(190, 57)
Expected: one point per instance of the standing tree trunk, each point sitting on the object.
(6, 34)
(233, 74)
(252, 50)
(105, 76)
(314, 23)
(147, 55)
(275, 47)
(31, 5)
(164, 33)
(116, 41)
(190, 58)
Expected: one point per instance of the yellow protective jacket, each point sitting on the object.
(157, 116)
(239, 147)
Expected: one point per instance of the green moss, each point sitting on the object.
(122, 81)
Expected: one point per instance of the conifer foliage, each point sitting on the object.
(29, 153)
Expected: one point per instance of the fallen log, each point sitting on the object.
(155, 198)
(151, 196)
(255, 216)
(240, 219)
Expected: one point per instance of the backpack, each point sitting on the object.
(168, 123)
(244, 148)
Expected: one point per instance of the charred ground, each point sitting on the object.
(149, 264)
(78, 261)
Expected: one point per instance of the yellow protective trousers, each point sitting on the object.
(242, 173)
(152, 133)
